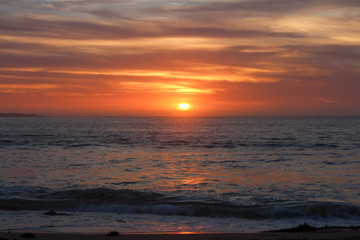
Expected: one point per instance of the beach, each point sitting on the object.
(196, 119)
(321, 234)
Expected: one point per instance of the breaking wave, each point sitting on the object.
(137, 202)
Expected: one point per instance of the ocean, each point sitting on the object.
(221, 174)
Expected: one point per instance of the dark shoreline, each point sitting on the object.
(303, 231)
(321, 234)
(20, 115)
(307, 228)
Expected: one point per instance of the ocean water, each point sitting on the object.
(178, 174)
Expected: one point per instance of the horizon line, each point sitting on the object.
(35, 115)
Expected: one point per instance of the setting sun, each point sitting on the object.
(184, 106)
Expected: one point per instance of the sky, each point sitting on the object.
(144, 58)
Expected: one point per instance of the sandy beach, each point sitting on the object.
(321, 234)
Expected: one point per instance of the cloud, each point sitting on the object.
(252, 7)
(91, 30)
(262, 53)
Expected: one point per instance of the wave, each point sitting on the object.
(87, 142)
(137, 202)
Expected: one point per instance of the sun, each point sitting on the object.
(184, 106)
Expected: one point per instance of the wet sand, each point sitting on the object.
(321, 234)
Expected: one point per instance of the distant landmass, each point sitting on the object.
(20, 115)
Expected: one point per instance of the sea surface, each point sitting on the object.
(231, 174)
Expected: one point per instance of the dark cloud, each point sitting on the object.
(335, 53)
(88, 30)
(108, 14)
(216, 32)
(266, 12)
(292, 57)
(264, 6)
(65, 29)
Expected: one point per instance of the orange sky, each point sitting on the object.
(143, 58)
